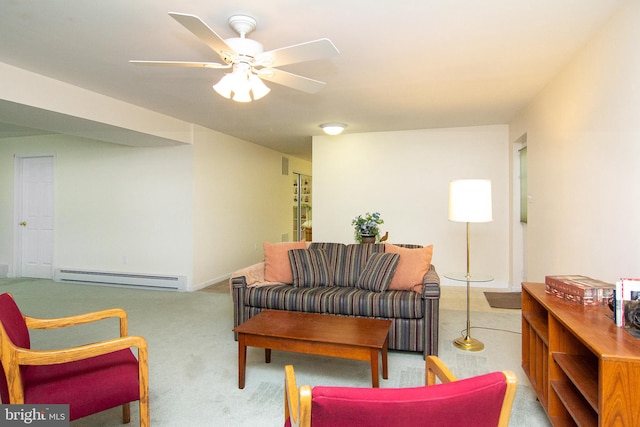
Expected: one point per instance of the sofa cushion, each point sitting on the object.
(413, 265)
(351, 301)
(310, 268)
(277, 267)
(287, 297)
(355, 258)
(378, 271)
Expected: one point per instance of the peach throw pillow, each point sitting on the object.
(277, 267)
(412, 266)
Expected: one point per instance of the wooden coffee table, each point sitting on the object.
(320, 334)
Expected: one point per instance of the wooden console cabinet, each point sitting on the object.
(584, 369)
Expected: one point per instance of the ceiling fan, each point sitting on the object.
(248, 60)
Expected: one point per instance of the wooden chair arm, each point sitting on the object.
(79, 319)
(297, 403)
(437, 370)
(509, 396)
(291, 401)
(305, 406)
(72, 354)
(13, 357)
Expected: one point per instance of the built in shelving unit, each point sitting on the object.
(584, 369)
(301, 206)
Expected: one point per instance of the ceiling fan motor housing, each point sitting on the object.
(244, 48)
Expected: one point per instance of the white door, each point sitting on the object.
(34, 200)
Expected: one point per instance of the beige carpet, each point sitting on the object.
(219, 288)
(193, 359)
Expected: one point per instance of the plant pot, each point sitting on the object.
(368, 239)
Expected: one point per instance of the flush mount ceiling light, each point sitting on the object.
(249, 63)
(333, 128)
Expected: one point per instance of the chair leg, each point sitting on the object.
(126, 413)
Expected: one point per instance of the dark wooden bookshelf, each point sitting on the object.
(585, 370)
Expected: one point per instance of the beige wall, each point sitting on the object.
(201, 211)
(583, 138)
(116, 208)
(405, 176)
(241, 200)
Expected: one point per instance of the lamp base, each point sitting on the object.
(468, 343)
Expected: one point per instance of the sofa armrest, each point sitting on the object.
(238, 290)
(252, 274)
(431, 284)
(431, 299)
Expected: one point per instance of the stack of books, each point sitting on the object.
(627, 304)
(580, 289)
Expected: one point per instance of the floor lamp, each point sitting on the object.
(469, 201)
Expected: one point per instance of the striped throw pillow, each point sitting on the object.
(310, 268)
(378, 271)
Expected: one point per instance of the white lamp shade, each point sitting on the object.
(225, 85)
(258, 88)
(470, 200)
(241, 94)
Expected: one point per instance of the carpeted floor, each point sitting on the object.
(193, 357)
(218, 288)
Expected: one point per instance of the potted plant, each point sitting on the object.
(366, 227)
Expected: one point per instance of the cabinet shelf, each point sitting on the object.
(579, 370)
(578, 409)
(539, 325)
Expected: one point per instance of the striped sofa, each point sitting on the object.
(414, 313)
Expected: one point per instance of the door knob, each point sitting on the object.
(23, 223)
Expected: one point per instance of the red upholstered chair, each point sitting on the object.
(90, 378)
(484, 400)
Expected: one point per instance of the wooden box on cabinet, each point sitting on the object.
(584, 369)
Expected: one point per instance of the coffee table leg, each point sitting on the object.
(242, 360)
(375, 380)
(267, 355)
(385, 368)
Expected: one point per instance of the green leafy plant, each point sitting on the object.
(367, 225)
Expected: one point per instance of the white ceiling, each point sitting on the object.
(408, 64)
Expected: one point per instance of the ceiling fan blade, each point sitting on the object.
(308, 51)
(182, 64)
(203, 32)
(294, 81)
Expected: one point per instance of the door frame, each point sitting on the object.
(519, 270)
(18, 198)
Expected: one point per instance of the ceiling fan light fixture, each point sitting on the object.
(333, 128)
(241, 95)
(258, 88)
(248, 59)
(242, 83)
(225, 86)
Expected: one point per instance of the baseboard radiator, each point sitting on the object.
(150, 281)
